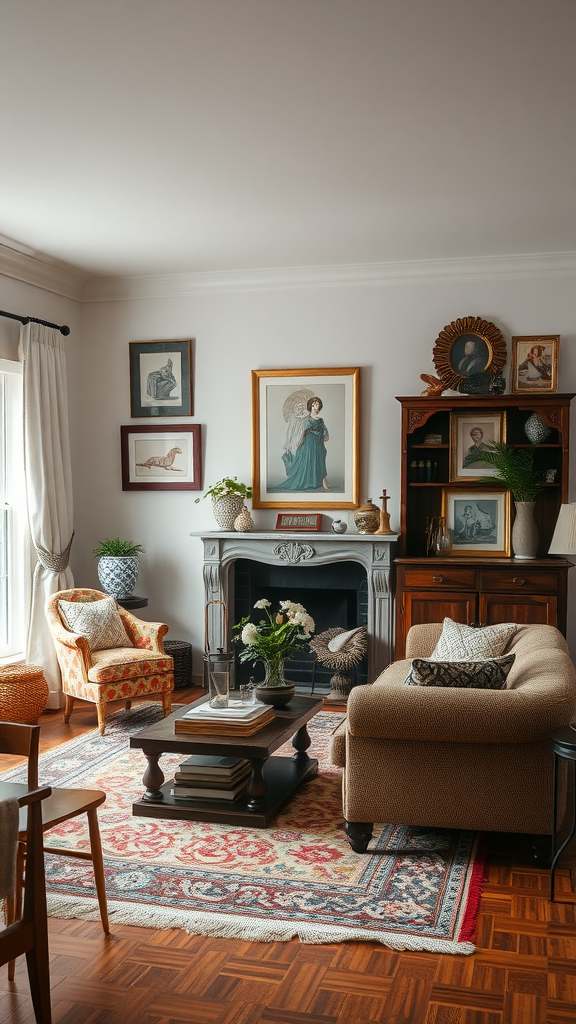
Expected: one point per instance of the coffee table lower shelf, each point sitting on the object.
(283, 775)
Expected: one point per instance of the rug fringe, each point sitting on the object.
(249, 929)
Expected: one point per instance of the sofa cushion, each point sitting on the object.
(485, 674)
(98, 621)
(459, 642)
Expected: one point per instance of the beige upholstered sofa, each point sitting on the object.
(456, 758)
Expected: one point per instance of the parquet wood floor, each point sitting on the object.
(524, 971)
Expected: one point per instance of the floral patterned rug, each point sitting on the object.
(414, 889)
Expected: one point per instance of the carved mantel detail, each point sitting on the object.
(292, 551)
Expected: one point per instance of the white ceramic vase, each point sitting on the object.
(118, 574)
(524, 531)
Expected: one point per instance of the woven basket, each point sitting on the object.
(181, 651)
(23, 693)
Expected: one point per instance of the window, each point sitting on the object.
(13, 526)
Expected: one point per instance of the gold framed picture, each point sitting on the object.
(534, 364)
(470, 435)
(305, 438)
(479, 522)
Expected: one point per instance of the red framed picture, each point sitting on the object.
(161, 457)
(311, 522)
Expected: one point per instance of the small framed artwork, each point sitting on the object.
(534, 364)
(311, 522)
(160, 378)
(305, 438)
(160, 457)
(479, 522)
(470, 435)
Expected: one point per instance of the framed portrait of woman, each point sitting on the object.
(471, 434)
(305, 438)
(535, 364)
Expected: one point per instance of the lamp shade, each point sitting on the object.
(564, 539)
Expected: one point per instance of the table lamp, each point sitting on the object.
(564, 539)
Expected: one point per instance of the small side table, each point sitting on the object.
(129, 603)
(563, 743)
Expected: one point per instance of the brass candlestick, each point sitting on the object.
(384, 517)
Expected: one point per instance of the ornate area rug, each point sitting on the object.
(415, 889)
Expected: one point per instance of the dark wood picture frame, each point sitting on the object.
(161, 378)
(171, 457)
(311, 522)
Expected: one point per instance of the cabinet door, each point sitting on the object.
(419, 607)
(527, 609)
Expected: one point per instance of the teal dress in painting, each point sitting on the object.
(307, 468)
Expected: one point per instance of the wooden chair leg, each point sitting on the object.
(37, 959)
(17, 902)
(128, 705)
(68, 707)
(167, 703)
(101, 709)
(97, 861)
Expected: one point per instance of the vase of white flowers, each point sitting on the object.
(271, 642)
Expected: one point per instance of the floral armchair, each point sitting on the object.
(119, 673)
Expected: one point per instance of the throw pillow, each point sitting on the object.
(467, 643)
(98, 621)
(489, 674)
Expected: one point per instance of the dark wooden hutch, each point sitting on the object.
(477, 590)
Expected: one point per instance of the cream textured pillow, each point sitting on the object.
(98, 621)
(486, 674)
(458, 642)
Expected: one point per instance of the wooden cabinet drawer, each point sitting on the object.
(518, 579)
(440, 577)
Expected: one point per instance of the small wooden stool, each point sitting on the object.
(23, 693)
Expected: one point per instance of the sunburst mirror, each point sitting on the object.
(468, 346)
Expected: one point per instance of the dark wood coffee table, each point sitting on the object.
(270, 786)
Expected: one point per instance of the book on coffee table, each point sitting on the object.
(233, 713)
(204, 792)
(211, 767)
(223, 727)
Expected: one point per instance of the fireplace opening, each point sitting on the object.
(335, 594)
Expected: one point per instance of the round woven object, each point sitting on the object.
(23, 693)
(181, 652)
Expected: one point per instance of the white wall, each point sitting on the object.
(387, 329)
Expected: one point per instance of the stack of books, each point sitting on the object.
(231, 721)
(210, 777)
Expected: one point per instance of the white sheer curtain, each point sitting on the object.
(48, 485)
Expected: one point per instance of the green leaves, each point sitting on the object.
(228, 485)
(117, 548)
(516, 469)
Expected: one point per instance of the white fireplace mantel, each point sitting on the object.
(222, 548)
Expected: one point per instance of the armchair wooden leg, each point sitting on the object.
(167, 703)
(128, 705)
(68, 707)
(359, 834)
(98, 863)
(101, 709)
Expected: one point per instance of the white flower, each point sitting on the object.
(250, 634)
(262, 604)
(292, 608)
(305, 621)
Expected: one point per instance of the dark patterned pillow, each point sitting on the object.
(489, 674)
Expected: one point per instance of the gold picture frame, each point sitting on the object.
(305, 438)
(479, 522)
(470, 431)
(468, 346)
(534, 364)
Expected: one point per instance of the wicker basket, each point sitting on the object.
(23, 693)
(181, 651)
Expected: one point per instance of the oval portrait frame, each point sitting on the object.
(452, 333)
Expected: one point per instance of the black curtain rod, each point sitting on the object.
(33, 319)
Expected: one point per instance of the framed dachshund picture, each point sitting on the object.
(161, 457)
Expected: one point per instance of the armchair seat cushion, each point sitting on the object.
(126, 663)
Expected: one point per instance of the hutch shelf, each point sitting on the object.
(477, 590)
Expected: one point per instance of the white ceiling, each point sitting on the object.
(157, 136)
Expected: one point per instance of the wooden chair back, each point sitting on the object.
(23, 740)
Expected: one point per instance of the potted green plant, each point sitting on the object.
(271, 642)
(517, 471)
(228, 497)
(118, 565)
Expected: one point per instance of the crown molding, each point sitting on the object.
(107, 289)
(36, 268)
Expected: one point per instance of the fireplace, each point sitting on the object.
(342, 580)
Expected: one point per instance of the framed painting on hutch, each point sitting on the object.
(479, 522)
(470, 434)
(161, 457)
(160, 378)
(305, 438)
(534, 364)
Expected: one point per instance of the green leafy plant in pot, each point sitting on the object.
(517, 471)
(118, 566)
(228, 497)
